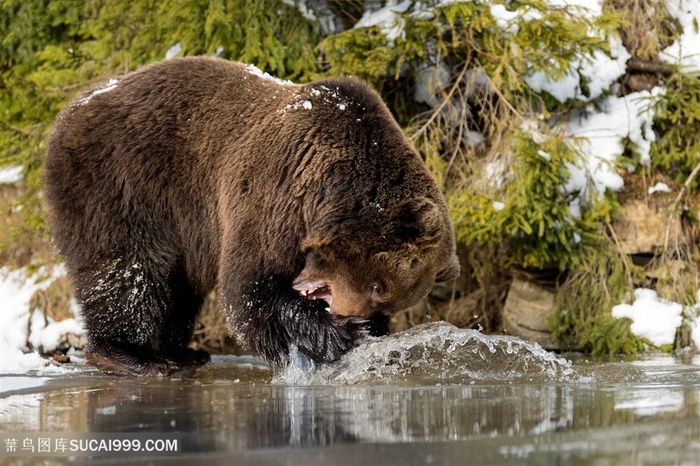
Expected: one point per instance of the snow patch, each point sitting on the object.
(305, 104)
(507, 20)
(602, 136)
(387, 18)
(172, 51)
(652, 318)
(255, 71)
(316, 12)
(599, 72)
(685, 51)
(693, 316)
(545, 155)
(659, 187)
(429, 81)
(11, 175)
(16, 291)
(319, 94)
(15, 361)
(111, 84)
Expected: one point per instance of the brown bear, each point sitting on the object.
(304, 204)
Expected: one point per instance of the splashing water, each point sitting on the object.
(430, 354)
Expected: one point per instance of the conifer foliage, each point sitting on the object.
(479, 87)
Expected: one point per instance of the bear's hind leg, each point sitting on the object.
(138, 320)
(121, 358)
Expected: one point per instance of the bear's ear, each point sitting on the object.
(417, 221)
(449, 272)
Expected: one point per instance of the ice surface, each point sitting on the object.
(652, 402)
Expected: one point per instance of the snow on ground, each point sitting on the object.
(173, 51)
(694, 321)
(388, 18)
(316, 12)
(16, 290)
(602, 131)
(10, 175)
(652, 318)
(603, 134)
(686, 50)
(659, 187)
(599, 73)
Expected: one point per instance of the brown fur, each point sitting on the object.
(194, 173)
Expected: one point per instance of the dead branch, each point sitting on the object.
(442, 105)
(637, 65)
(37, 302)
(623, 256)
(677, 201)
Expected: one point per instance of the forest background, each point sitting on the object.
(565, 135)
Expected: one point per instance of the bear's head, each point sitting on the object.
(381, 259)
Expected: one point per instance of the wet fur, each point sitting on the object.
(193, 174)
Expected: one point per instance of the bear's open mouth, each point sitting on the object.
(315, 289)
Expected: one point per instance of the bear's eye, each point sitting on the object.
(376, 289)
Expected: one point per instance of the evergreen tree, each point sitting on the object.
(455, 74)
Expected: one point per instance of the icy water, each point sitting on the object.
(431, 395)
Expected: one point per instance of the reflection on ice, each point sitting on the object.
(408, 409)
(17, 383)
(652, 402)
(434, 353)
(21, 407)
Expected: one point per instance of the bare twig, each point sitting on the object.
(677, 201)
(635, 64)
(623, 256)
(444, 102)
(37, 302)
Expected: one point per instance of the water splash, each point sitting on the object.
(433, 353)
(300, 370)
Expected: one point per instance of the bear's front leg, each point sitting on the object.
(270, 317)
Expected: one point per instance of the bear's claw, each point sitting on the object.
(330, 337)
(117, 359)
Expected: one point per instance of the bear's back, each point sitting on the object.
(145, 150)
